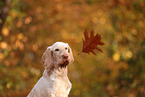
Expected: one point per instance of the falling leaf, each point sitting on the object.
(91, 43)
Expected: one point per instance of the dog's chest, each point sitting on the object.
(63, 87)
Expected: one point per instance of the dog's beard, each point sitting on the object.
(64, 64)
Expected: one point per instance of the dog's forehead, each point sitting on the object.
(59, 45)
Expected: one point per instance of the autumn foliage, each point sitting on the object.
(92, 42)
(28, 27)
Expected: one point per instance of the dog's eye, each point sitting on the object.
(66, 48)
(56, 49)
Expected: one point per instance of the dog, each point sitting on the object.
(54, 82)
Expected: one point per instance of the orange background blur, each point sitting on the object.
(30, 26)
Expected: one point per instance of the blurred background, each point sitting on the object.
(28, 27)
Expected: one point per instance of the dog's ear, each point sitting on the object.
(47, 58)
(70, 54)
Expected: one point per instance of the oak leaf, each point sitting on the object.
(91, 43)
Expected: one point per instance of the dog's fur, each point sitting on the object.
(54, 82)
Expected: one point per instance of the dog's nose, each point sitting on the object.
(65, 56)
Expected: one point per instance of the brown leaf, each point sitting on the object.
(91, 43)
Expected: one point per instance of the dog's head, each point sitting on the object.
(59, 55)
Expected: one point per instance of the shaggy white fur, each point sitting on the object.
(54, 82)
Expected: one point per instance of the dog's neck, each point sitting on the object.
(61, 72)
(57, 72)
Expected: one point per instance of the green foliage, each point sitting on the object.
(32, 25)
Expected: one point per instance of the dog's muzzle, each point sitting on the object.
(64, 64)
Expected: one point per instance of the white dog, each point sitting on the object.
(54, 82)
